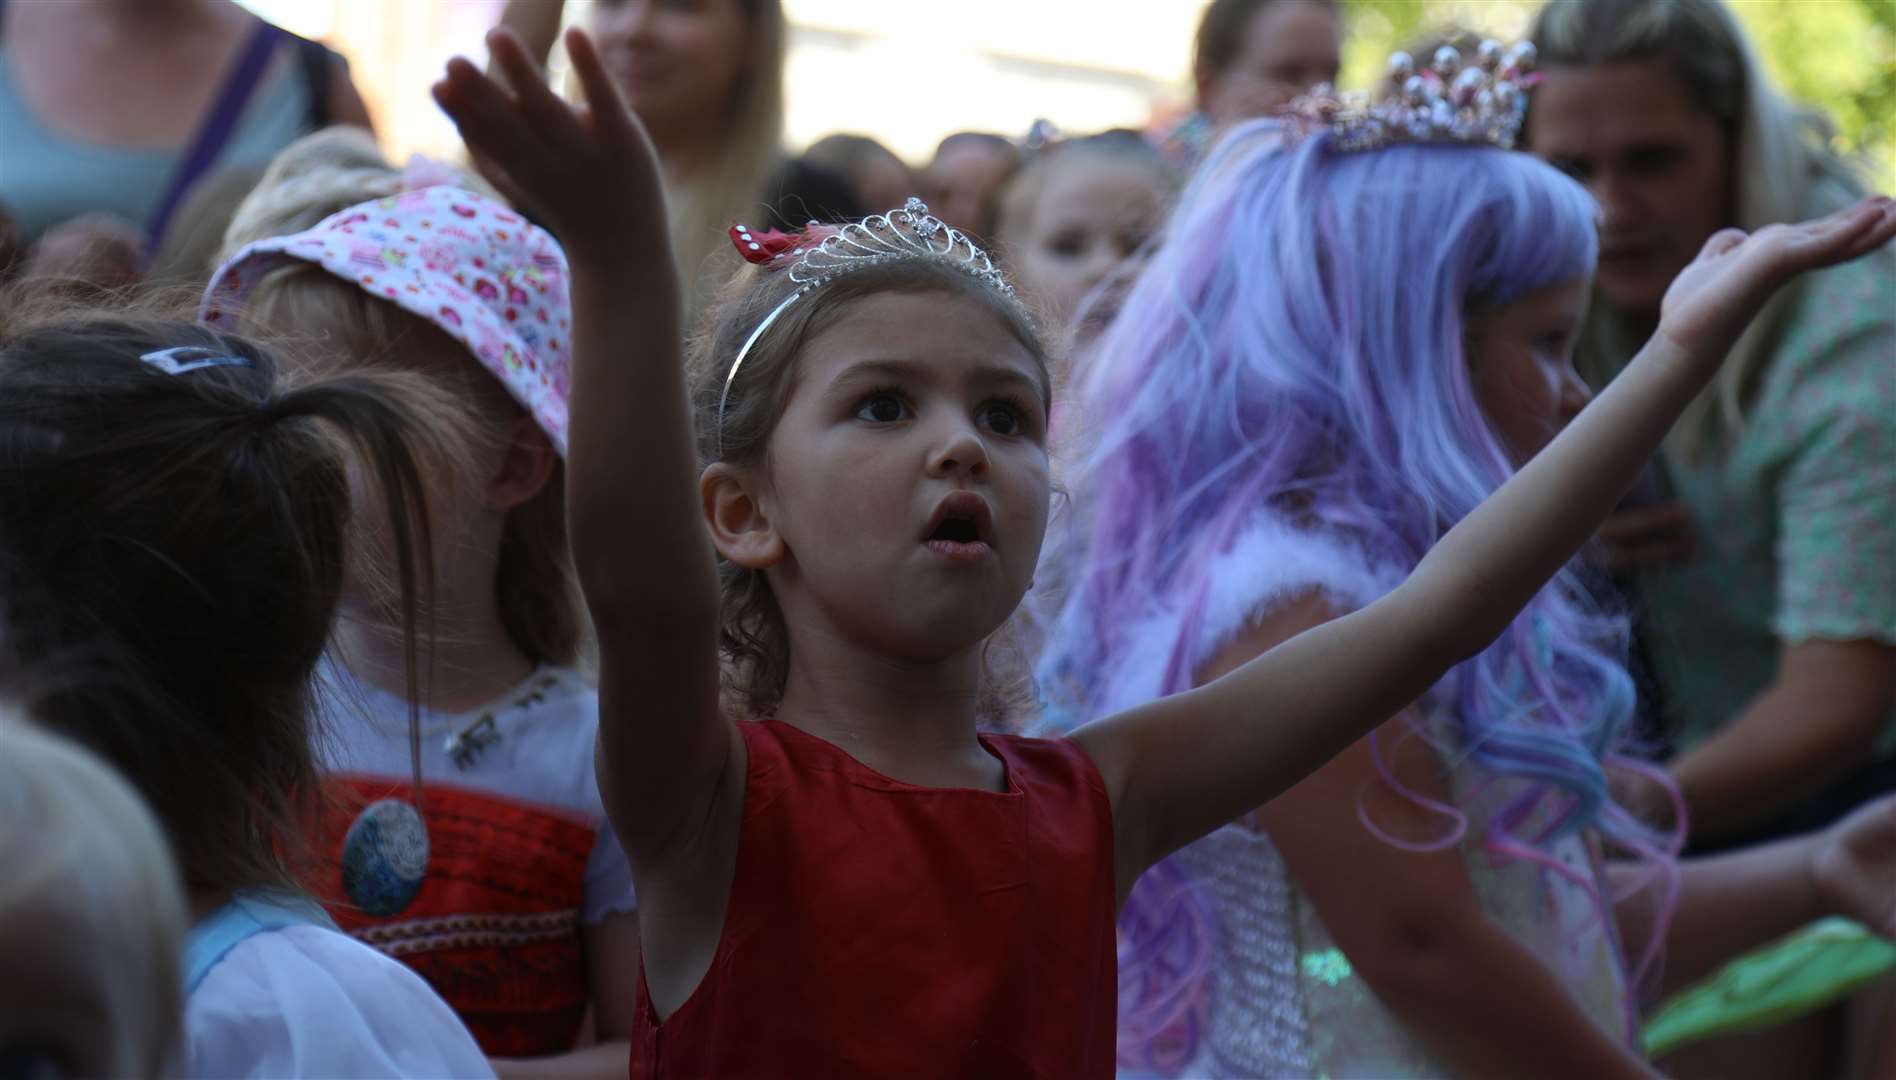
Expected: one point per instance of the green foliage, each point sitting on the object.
(1837, 56)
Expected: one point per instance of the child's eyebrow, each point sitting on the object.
(913, 371)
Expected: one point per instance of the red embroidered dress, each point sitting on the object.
(877, 928)
(520, 856)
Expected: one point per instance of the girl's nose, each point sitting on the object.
(960, 452)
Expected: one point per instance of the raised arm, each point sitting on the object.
(639, 545)
(1179, 767)
(536, 23)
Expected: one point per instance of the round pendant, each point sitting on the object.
(384, 857)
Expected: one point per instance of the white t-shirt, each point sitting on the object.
(521, 855)
(307, 1001)
(542, 754)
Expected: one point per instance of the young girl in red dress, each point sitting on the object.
(838, 875)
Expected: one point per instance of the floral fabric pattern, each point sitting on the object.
(482, 273)
(1796, 516)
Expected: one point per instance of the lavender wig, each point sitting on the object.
(1297, 345)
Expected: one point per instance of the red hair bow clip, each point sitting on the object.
(765, 246)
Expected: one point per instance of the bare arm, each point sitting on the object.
(612, 975)
(1180, 767)
(537, 24)
(639, 546)
(1816, 722)
(1420, 946)
(1735, 902)
(1417, 945)
(1727, 904)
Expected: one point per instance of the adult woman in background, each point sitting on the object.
(1773, 634)
(706, 79)
(112, 111)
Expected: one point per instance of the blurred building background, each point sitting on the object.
(910, 71)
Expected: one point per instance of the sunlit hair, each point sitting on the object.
(1782, 169)
(321, 174)
(851, 156)
(341, 327)
(1297, 346)
(752, 637)
(75, 837)
(706, 196)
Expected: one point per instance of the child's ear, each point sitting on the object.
(525, 466)
(740, 524)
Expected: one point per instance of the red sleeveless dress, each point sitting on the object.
(877, 928)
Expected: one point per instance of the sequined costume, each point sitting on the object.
(1277, 997)
(522, 859)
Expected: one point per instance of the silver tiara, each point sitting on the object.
(823, 253)
(1480, 103)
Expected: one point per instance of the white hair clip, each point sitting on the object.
(186, 358)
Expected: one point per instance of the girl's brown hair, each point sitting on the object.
(172, 550)
(347, 330)
(752, 637)
(705, 195)
(75, 837)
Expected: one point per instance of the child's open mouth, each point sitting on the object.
(961, 528)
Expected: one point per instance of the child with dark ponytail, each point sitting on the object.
(174, 524)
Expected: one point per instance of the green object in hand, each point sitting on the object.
(1797, 975)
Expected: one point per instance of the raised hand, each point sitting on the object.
(588, 173)
(1713, 299)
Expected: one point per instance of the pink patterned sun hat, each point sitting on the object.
(485, 275)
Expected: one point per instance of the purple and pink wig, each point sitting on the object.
(1297, 345)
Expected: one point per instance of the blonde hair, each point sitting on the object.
(320, 175)
(1020, 200)
(1782, 169)
(704, 199)
(73, 833)
(192, 244)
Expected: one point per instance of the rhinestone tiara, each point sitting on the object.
(823, 253)
(1478, 104)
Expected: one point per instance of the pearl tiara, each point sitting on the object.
(1478, 104)
(823, 253)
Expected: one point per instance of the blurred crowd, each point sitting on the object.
(1741, 600)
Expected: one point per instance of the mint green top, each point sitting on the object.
(47, 177)
(1796, 516)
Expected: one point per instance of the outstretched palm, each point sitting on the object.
(1712, 300)
(589, 173)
